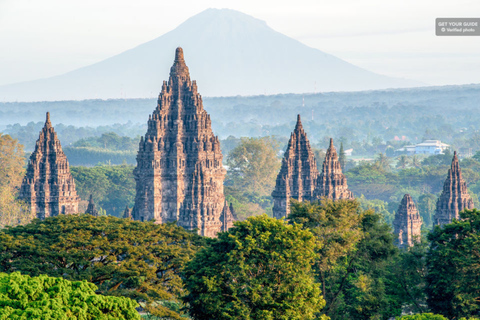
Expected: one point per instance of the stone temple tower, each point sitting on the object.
(407, 224)
(179, 174)
(454, 197)
(298, 175)
(332, 183)
(48, 186)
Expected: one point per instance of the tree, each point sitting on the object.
(260, 269)
(342, 157)
(253, 165)
(453, 262)
(253, 168)
(416, 162)
(383, 162)
(408, 276)
(336, 226)
(12, 211)
(43, 297)
(426, 207)
(354, 255)
(402, 162)
(140, 260)
(113, 187)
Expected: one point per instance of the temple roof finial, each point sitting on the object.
(179, 54)
(47, 121)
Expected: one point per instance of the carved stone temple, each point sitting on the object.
(48, 186)
(407, 224)
(91, 208)
(179, 174)
(298, 175)
(332, 183)
(454, 197)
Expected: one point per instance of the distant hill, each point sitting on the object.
(229, 53)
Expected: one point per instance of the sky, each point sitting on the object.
(39, 39)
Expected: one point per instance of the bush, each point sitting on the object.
(43, 297)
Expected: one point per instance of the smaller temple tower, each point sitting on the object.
(127, 214)
(407, 224)
(454, 197)
(48, 186)
(91, 208)
(332, 183)
(298, 175)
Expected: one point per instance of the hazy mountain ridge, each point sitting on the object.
(228, 52)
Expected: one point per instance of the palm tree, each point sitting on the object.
(416, 162)
(383, 162)
(402, 161)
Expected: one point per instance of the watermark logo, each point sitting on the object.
(457, 26)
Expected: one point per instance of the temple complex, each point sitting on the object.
(179, 174)
(454, 197)
(332, 183)
(48, 186)
(298, 175)
(407, 224)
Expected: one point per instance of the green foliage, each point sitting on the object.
(140, 260)
(354, 255)
(453, 262)
(109, 141)
(43, 297)
(12, 211)
(408, 276)
(253, 167)
(423, 316)
(426, 207)
(87, 156)
(260, 269)
(112, 187)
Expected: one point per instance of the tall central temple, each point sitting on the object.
(179, 174)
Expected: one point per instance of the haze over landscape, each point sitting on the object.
(231, 160)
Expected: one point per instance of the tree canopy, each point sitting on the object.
(354, 252)
(260, 269)
(140, 260)
(453, 262)
(12, 161)
(43, 297)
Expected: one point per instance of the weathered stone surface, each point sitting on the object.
(454, 197)
(91, 209)
(127, 214)
(48, 187)
(332, 183)
(179, 174)
(407, 224)
(298, 175)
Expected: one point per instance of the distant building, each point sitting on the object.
(431, 147)
(348, 152)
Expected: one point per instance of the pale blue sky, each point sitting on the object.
(396, 38)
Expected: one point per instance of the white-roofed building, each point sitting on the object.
(426, 147)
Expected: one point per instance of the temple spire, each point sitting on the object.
(332, 183)
(407, 224)
(48, 186)
(298, 175)
(179, 174)
(91, 208)
(454, 197)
